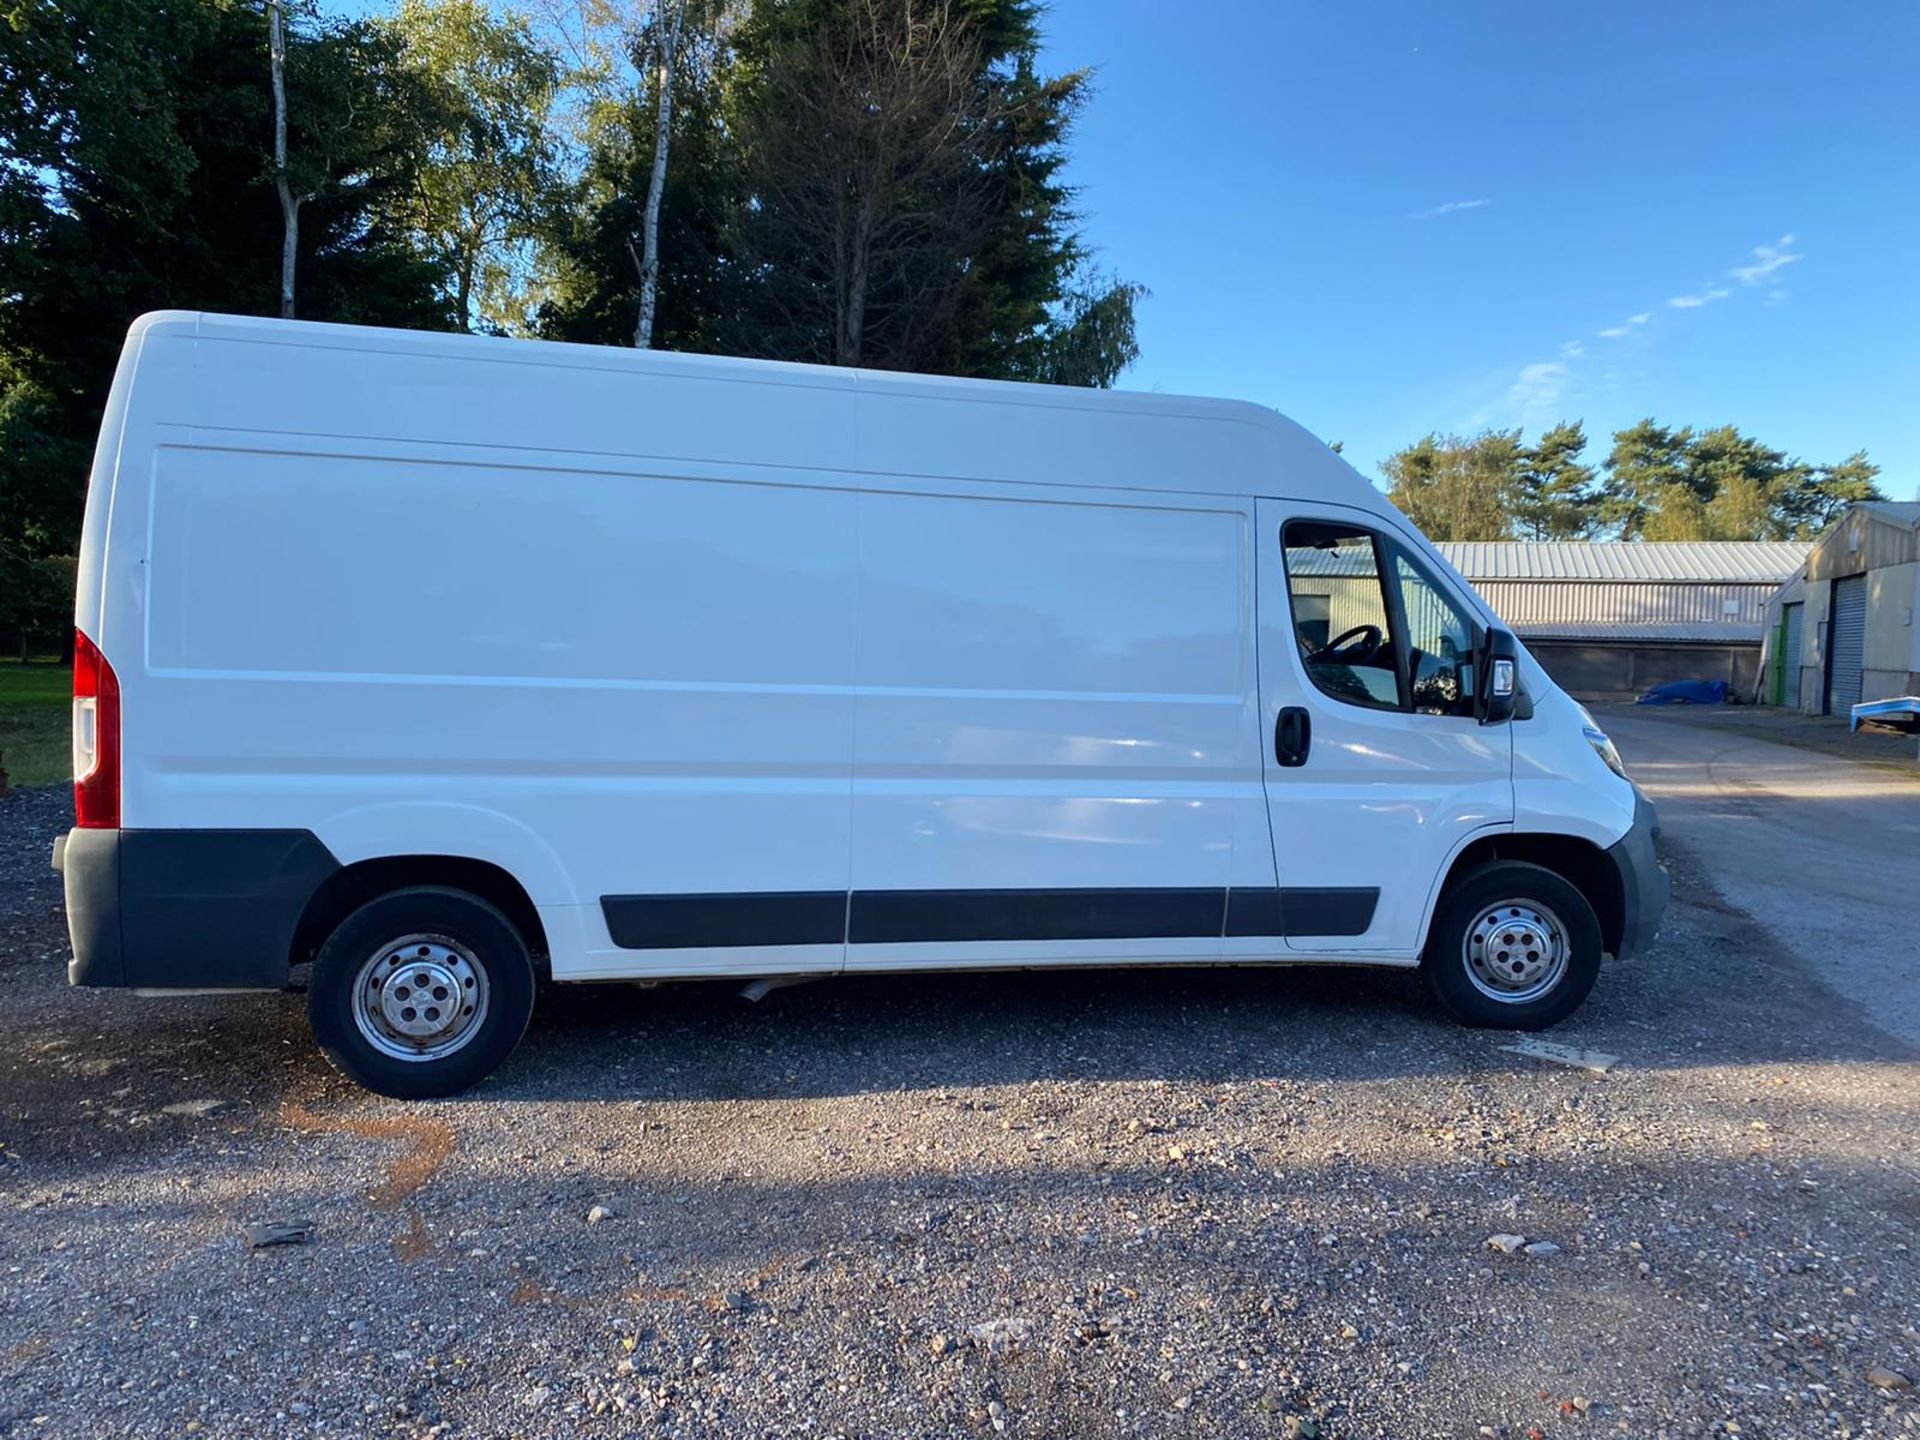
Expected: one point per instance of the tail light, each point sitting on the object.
(96, 738)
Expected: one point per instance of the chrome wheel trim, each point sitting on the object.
(420, 997)
(1516, 952)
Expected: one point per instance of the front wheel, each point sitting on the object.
(421, 993)
(1513, 947)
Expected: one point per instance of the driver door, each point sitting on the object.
(1376, 770)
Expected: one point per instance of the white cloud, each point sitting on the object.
(1633, 322)
(1573, 350)
(1703, 297)
(1766, 260)
(1538, 387)
(1452, 207)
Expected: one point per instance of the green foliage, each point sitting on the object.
(853, 181)
(594, 240)
(1551, 494)
(1658, 483)
(1458, 488)
(902, 201)
(41, 451)
(480, 199)
(1667, 484)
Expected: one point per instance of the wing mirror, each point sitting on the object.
(1498, 681)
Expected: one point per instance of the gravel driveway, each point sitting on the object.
(1220, 1203)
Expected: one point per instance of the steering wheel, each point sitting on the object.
(1350, 647)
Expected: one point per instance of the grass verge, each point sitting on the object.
(36, 709)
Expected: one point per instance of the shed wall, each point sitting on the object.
(1525, 604)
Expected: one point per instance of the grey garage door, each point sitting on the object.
(1792, 618)
(1849, 640)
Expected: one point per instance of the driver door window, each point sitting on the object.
(1372, 626)
(1439, 644)
(1341, 620)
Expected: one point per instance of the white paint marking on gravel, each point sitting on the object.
(1598, 1061)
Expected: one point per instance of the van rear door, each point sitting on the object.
(1376, 770)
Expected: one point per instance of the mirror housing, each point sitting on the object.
(1497, 695)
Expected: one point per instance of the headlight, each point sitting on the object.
(1604, 748)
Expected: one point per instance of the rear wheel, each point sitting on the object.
(422, 992)
(1513, 947)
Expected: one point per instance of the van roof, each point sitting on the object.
(1150, 442)
(316, 334)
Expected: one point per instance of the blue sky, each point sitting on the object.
(1389, 218)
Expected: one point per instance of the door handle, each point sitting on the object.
(1292, 735)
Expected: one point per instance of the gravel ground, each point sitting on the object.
(1232, 1203)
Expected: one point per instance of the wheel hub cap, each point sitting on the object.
(1516, 951)
(420, 998)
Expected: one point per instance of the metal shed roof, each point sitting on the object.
(1755, 562)
(1897, 512)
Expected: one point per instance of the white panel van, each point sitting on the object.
(450, 664)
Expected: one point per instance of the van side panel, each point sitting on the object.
(606, 684)
(590, 616)
(1050, 703)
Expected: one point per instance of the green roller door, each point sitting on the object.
(1792, 618)
(1848, 639)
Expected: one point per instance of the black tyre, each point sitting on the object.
(421, 993)
(1513, 947)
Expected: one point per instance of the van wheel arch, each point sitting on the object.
(352, 886)
(1581, 863)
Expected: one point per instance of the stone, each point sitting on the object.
(1002, 1336)
(1541, 1249)
(1885, 1379)
(599, 1213)
(260, 1234)
(194, 1109)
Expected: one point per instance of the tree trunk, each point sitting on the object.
(289, 206)
(667, 26)
(853, 304)
(463, 295)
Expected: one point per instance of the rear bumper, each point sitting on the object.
(1644, 886)
(187, 909)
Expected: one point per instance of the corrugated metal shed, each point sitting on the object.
(1899, 512)
(1657, 633)
(1670, 561)
(1871, 535)
(1686, 591)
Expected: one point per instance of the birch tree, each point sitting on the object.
(289, 205)
(669, 16)
(625, 53)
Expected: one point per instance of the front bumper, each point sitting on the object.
(1644, 886)
(187, 909)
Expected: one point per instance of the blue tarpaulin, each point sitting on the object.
(1686, 692)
